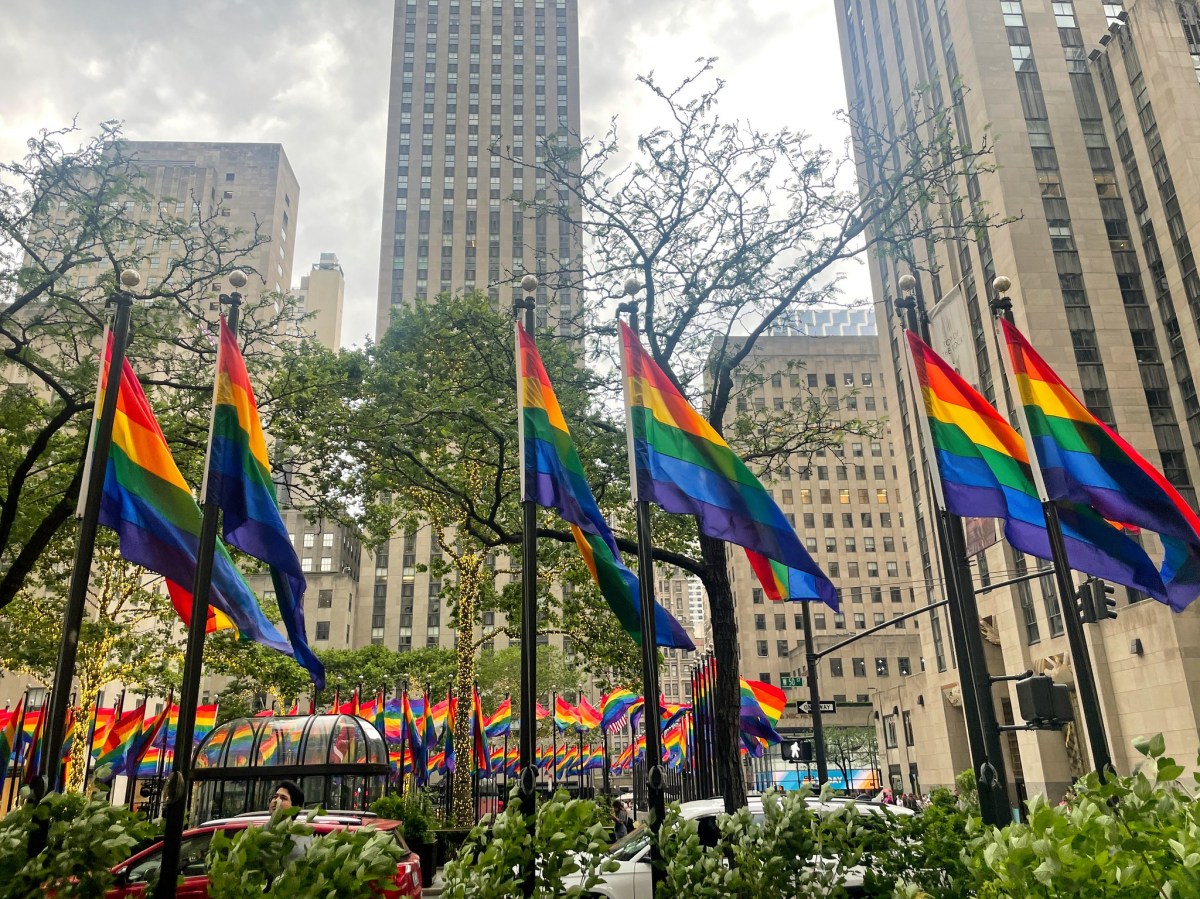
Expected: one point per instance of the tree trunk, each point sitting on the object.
(728, 694)
(469, 566)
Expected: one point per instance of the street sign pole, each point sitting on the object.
(814, 696)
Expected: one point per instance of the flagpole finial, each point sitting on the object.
(131, 278)
(907, 284)
(1001, 303)
(529, 283)
(633, 286)
(237, 279)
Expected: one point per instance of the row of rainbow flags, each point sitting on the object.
(134, 742)
(1105, 491)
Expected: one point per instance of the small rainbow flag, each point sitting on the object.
(500, 722)
(589, 715)
(206, 720)
(615, 708)
(478, 732)
(8, 738)
(119, 740)
(565, 714)
(552, 476)
(1085, 461)
(985, 473)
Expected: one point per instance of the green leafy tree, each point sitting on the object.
(848, 748)
(729, 230)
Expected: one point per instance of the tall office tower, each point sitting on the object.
(1104, 283)
(467, 78)
(845, 506)
(322, 293)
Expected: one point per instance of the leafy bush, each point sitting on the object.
(84, 839)
(925, 852)
(763, 859)
(285, 858)
(1136, 836)
(415, 809)
(570, 838)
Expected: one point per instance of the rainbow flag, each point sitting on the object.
(985, 473)
(145, 741)
(1083, 460)
(150, 506)
(393, 721)
(685, 467)
(206, 720)
(565, 714)
(33, 756)
(239, 481)
(478, 733)
(552, 476)
(781, 583)
(542, 712)
(119, 741)
(756, 721)
(8, 738)
(102, 722)
(615, 708)
(500, 722)
(589, 715)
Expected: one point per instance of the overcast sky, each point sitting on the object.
(313, 76)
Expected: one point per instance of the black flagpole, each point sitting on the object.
(404, 732)
(654, 767)
(1085, 678)
(528, 744)
(178, 787)
(68, 648)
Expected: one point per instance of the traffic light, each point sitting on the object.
(1085, 600)
(1095, 602)
(1043, 703)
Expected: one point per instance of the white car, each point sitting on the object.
(631, 880)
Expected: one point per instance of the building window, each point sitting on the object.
(327, 563)
(310, 541)
(859, 666)
(781, 648)
(889, 731)
(904, 666)
(881, 667)
(327, 541)
(835, 668)
(322, 630)
(760, 622)
(756, 596)
(860, 621)
(324, 599)
(306, 564)
(908, 729)
(762, 649)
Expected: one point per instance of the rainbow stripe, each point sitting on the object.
(756, 720)
(553, 477)
(615, 708)
(781, 583)
(150, 506)
(985, 473)
(8, 738)
(102, 721)
(1083, 460)
(589, 715)
(206, 720)
(685, 466)
(239, 481)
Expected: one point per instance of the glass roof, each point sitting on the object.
(302, 740)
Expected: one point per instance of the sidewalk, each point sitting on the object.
(436, 889)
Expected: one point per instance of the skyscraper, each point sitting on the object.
(468, 78)
(1099, 253)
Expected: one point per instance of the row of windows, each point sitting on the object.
(839, 621)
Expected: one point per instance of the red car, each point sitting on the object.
(133, 873)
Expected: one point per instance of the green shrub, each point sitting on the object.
(1136, 836)
(415, 810)
(285, 858)
(925, 852)
(84, 839)
(570, 838)
(763, 859)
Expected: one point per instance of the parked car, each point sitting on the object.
(631, 880)
(133, 873)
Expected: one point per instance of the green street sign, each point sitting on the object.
(791, 682)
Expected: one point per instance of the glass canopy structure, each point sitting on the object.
(339, 761)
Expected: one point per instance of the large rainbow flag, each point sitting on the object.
(150, 506)
(761, 708)
(588, 714)
(499, 723)
(1083, 460)
(239, 481)
(985, 473)
(119, 741)
(552, 476)
(565, 714)
(686, 467)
